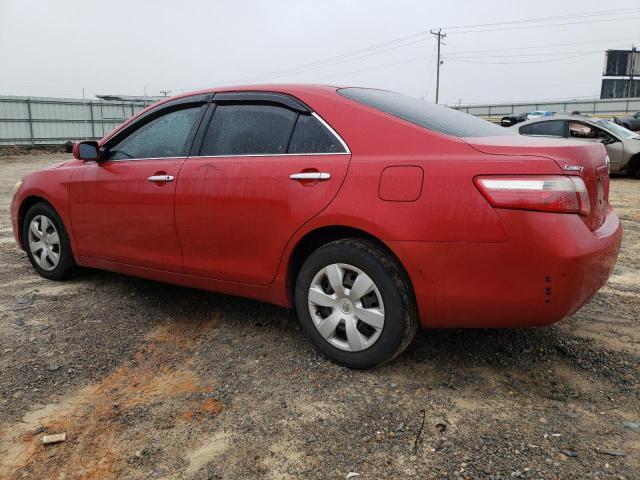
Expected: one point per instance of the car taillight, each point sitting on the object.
(544, 193)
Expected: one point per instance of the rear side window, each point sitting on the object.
(553, 128)
(311, 136)
(248, 129)
(164, 136)
(425, 114)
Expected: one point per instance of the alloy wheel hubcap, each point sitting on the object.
(44, 242)
(346, 307)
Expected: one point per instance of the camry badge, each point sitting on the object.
(573, 168)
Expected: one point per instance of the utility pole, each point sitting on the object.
(632, 57)
(439, 35)
(165, 92)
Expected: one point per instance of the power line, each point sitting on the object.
(345, 57)
(415, 59)
(550, 45)
(564, 24)
(341, 56)
(523, 55)
(448, 57)
(517, 63)
(293, 71)
(402, 62)
(555, 17)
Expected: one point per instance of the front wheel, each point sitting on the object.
(47, 242)
(355, 303)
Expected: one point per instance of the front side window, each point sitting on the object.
(311, 136)
(580, 130)
(553, 128)
(247, 129)
(163, 137)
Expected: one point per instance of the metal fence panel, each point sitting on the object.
(602, 107)
(14, 131)
(53, 121)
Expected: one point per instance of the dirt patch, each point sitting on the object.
(96, 418)
(156, 381)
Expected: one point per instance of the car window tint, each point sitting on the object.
(248, 129)
(553, 128)
(311, 136)
(525, 130)
(425, 114)
(165, 136)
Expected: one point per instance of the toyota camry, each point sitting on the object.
(369, 212)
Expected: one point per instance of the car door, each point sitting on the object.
(590, 133)
(122, 207)
(266, 165)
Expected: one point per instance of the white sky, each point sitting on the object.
(59, 47)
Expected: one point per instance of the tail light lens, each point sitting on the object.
(544, 193)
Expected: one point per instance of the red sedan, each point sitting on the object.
(369, 211)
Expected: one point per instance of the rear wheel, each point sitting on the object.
(47, 242)
(355, 303)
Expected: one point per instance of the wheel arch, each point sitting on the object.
(26, 204)
(320, 236)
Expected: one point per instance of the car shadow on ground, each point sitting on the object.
(519, 349)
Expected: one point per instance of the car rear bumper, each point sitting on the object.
(551, 265)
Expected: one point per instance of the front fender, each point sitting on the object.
(50, 185)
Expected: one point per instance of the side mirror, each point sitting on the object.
(86, 151)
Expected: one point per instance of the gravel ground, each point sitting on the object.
(157, 381)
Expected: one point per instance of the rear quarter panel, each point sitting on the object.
(449, 208)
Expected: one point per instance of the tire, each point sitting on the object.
(43, 216)
(634, 167)
(351, 341)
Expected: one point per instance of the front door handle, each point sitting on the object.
(310, 176)
(160, 178)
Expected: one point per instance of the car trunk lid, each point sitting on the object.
(583, 159)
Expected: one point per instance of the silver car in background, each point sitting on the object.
(623, 146)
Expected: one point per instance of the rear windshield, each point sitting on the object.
(426, 114)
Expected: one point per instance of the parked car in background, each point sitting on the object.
(623, 146)
(539, 114)
(427, 216)
(632, 122)
(509, 120)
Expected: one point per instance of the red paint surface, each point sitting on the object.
(230, 224)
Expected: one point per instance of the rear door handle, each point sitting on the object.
(310, 176)
(160, 178)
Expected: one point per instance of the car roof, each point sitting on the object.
(286, 88)
(290, 88)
